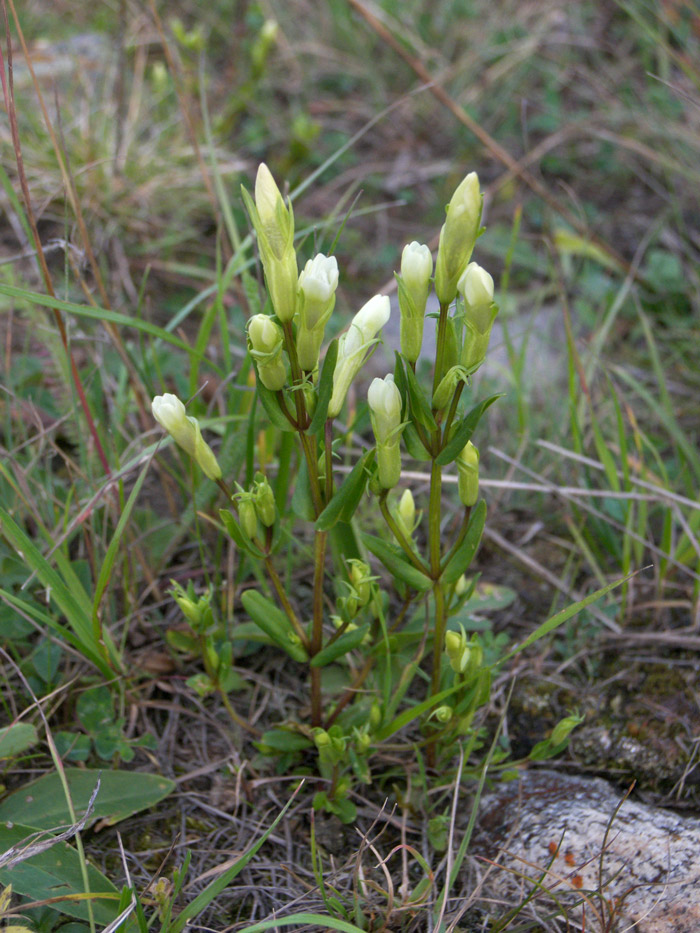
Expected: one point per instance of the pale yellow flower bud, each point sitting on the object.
(468, 474)
(479, 314)
(354, 345)
(265, 340)
(457, 237)
(414, 285)
(385, 411)
(170, 414)
(317, 284)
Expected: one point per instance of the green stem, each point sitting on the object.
(438, 592)
(460, 536)
(320, 542)
(286, 605)
(452, 412)
(399, 535)
(440, 345)
(297, 376)
(328, 441)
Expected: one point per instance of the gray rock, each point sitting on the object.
(623, 862)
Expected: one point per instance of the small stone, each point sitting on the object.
(635, 863)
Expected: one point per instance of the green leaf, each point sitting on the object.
(325, 388)
(303, 920)
(348, 641)
(205, 897)
(56, 872)
(271, 405)
(420, 406)
(464, 431)
(17, 738)
(283, 741)
(105, 575)
(563, 616)
(95, 708)
(61, 595)
(235, 532)
(396, 563)
(42, 804)
(464, 554)
(408, 715)
(273, 622)
(344, 503)
(414, 445)
(302, 503)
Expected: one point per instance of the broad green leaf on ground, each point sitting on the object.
(56, 872)
(42, 804)
(17, 738)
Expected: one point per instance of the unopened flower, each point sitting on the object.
(354, 346)
(274, 226)
(384, 401)
(468, 474)
(457, 237)
(170, 414)
(479, 314)
(265, 341)
(414, 286)
(317, 284)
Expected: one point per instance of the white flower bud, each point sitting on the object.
(407, 511)
(170, 414)
(476, 285)
(417, 267)
(457, 237)
(317, 284)
(265, 340)
(385, 409)
(318, 281)
(468, 474)
(414, 285)
(354, 345)
(479, 314)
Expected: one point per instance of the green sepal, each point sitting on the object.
(420, 407)
(325, 388)
(396, 563)
(348, 641)
(273, 622)
(464, 431)
(236, 533)
(464, 554)
(344, 503)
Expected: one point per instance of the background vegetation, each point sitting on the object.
(136, 123)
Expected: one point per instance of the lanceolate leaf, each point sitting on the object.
(273, 622)
(347, 642)
(420, 407)
(465, 429)
(345, 501)
(325, 388)
(463, 556)
(396, 564)
(271, 405)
